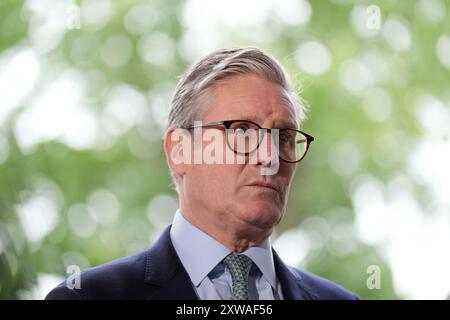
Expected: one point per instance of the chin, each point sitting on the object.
(262, 214)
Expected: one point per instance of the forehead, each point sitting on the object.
(250, 97)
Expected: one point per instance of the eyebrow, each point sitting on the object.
(280, 124)
(286, 124)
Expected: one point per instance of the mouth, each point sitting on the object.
(264, 186)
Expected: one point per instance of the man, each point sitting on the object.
(218, 246)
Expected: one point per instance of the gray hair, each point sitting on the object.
(193, 87)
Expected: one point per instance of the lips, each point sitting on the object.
(264, 184)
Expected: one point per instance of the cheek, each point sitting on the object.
(288, 170)
(216, 181)
(225, 178)
(287, 174)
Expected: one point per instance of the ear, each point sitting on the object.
(178, 147)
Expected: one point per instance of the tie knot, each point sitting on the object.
(239, 266)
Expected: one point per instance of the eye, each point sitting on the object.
(284, 137)
(241, 128)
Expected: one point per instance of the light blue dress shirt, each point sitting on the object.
(202, 255)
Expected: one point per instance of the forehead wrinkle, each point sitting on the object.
(266, 101)
(270, 113)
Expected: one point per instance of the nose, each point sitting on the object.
(267, 152)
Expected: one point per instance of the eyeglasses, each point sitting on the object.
(244, 137)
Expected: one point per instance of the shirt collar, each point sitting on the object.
(190, 242)
(262, 256)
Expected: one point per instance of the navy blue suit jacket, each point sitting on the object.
(158, 274)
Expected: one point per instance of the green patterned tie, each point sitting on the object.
(239, 266)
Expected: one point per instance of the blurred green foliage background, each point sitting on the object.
(84, 93)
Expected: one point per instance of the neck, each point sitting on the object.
(238, 237)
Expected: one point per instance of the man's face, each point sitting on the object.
(228, 191)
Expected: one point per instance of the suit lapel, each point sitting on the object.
(167, 279)
(164, 273)
(290, 281)
(177, 288)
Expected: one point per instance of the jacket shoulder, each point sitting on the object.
(321, 288)
(118, 279)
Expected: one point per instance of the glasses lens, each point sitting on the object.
(292, 145)
(243, 137)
